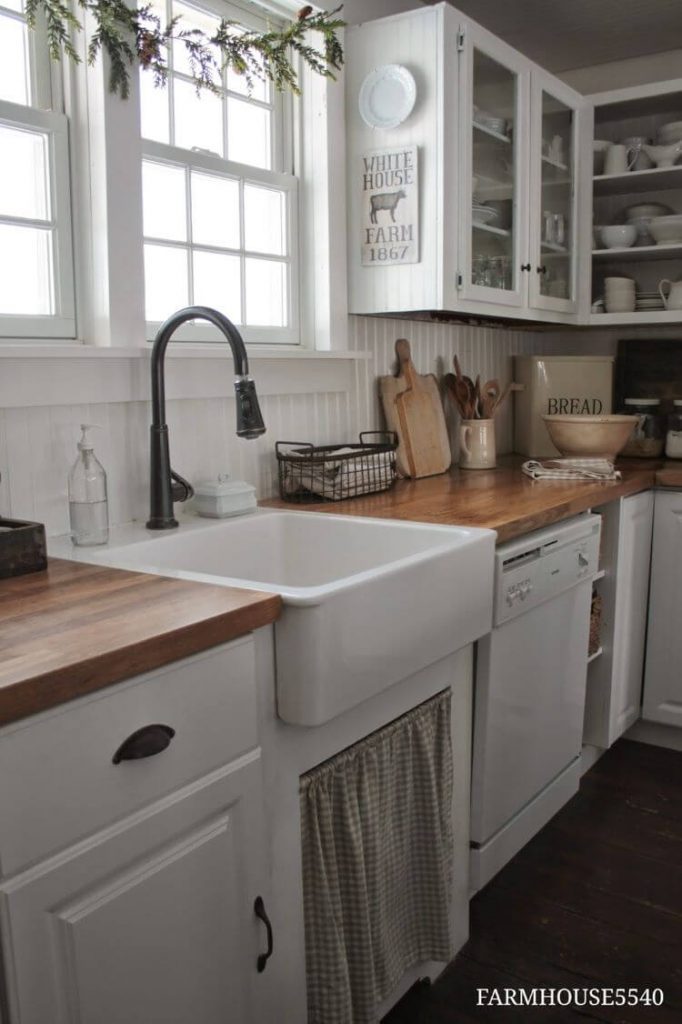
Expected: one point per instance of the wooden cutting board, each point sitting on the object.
(413, 409)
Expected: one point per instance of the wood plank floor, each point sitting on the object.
(594, 900)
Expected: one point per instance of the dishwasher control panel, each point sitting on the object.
(535, 568)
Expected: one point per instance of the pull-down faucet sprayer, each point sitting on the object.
(165, 485)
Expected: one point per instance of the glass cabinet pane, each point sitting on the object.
(556, 200)
(493, 198)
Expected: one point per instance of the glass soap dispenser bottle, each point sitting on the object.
(88, 507)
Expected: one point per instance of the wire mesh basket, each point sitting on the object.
(332, 472)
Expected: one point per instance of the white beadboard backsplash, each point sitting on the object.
(38, 444)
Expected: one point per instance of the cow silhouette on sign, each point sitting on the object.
(384, 201)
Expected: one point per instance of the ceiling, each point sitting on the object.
(565, 34)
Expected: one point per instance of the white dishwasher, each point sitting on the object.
(531, 673)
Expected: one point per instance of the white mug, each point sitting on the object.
(674, 297)
(619, 159)
(477, 444)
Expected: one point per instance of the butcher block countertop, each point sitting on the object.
(501, 499)
(76, 628)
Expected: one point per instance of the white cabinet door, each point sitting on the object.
(149, 922)
(614, 679)
(632, 592)
(663, 677)
(553, 195)
(494, 144)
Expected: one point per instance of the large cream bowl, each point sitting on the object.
(667, 230)
(590, 436)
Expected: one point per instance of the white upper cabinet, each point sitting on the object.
(491, 214)
(553, 206)
(494, 85)
(639, 192)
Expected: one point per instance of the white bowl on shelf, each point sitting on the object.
(618, 236)
(639, 210)
(667, 230)
(671, 132)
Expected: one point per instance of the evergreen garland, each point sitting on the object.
(129, 36)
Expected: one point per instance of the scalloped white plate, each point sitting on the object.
(387, 96)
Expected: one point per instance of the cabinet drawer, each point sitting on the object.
(58, 783)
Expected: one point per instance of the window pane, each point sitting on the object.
(24, 190)
(15, 82)
(248, 133)
(164, 201)
(153, 109)
(191, 18)
(215, 211)
(237, 83)
(265, 293)
(26, 278)
(198, 119)
(13, 5)
(264, 220)
(216, 283)
(165, 278)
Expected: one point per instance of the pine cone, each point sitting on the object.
(304, 13)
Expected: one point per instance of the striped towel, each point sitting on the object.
(571, 469)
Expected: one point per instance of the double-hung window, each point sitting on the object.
(219, 198)
(36, 265)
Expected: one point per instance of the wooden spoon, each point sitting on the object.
(460, 394)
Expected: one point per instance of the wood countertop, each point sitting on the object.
(501, 499)
(76, 628)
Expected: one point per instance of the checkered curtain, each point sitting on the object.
(377, 850)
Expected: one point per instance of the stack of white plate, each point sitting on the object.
(483, 214)
(648, 301)
(495, 124)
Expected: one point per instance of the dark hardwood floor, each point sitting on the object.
(594, 900)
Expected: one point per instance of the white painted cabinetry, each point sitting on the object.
(498, 158)
(150, 919)
(614, 681)
(663, 677)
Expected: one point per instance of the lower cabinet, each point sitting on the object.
(663, 677)
(150, 920)
(614, 679)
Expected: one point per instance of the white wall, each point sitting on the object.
(37, 442)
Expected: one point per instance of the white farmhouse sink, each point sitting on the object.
(367, 602)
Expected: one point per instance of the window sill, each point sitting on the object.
(12, 350)
(63, 375)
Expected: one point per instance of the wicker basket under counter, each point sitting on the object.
(309, 473)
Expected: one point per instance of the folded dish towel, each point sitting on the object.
(345, 478)
(571, 469)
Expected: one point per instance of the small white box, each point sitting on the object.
(572, 385)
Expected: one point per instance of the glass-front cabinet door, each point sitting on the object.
(494, 146)
(554, 115)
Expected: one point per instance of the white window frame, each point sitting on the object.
(281, 178)
(62, 323)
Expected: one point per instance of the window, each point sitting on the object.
(219, 207)
(36, 281)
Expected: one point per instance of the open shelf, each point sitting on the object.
(639, 253)
(647, 317)
(655, 179)
(490, 229)
(593, 657)
(491, 133)
(554, 247)
(557, 166)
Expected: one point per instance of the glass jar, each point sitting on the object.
(673, 438)
(648, 438)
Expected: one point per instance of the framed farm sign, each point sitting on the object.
(390, 207)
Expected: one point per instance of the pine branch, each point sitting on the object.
(136, 36)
